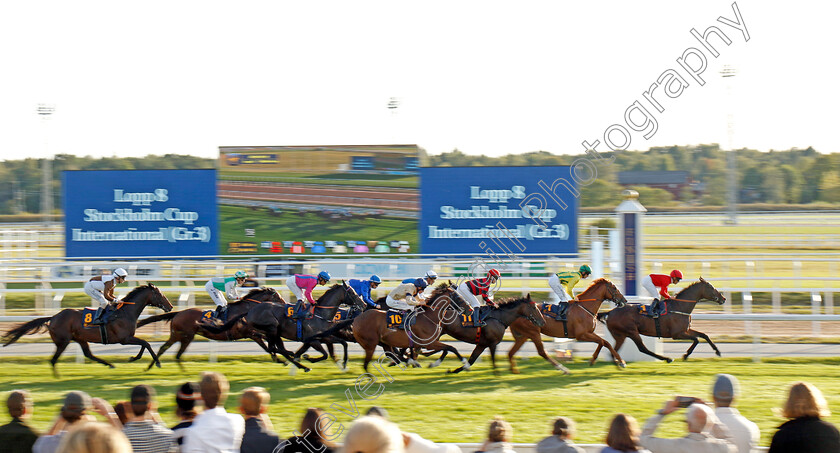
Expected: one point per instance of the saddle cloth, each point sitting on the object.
(557, 311)
(89, 313)
(645, 310)
(395, 318)
(467, 318)
(342, 314)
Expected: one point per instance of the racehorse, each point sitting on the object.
(276, 323)
(67, 325)
(185, 324)
(627, 322)
(489, 336)
(371, 327)
(579, 324)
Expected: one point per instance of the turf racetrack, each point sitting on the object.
(441, 406)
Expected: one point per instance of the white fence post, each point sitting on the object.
(829, 303)
(816, 302)
(777, 301)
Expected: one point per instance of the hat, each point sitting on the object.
(77, 401)
(186, 396)
(725, 387)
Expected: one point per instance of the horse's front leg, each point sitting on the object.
(144, 344)
(708, 340)
(687, 336)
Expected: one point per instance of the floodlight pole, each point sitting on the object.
(728, 72)
(45, 111)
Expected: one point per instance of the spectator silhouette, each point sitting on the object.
(805, 431)
(623, 435)
(258, 437)
(745, 433)
(562, 432)
(95, 437)
(705, 432)
(373, 434)
(144, 429)
(74, 410)
(499, 436)
(185, 401)
(16, 436)
(312, 437)
(214, 430)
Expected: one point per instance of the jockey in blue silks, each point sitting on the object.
(363, 287)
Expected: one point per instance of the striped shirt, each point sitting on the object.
(147, 436)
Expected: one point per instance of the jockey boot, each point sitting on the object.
(477, 321)
(300, 310)
(97, 318)
(221, 310)
(654, 308)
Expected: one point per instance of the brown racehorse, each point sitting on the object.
(186, 324)
(489, 336)
(371, 327)
(580, 325)
(627, 322)
(66, 325)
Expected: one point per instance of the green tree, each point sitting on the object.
(600, 193)
(652, 196)
(793, 183)
(830, 187)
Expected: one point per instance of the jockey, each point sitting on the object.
(101, 290)
(404, 296)
(563, 283)
(478, 287)
(302, 286)
(661, 281)
(218, 287)
(363, 287)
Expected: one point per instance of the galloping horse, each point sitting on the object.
(489, 336)
(580, 325)
(371, 327)
(627, 322)
(186, 324)
(275, 323)
(67, 325)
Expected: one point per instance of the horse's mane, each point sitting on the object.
(439, 289)
(260, 290)
(691, 286)
(597, 282)
(511, 301)
(134, 292)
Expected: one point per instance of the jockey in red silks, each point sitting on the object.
(479, 287)
(656, 286)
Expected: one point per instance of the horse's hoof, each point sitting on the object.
(132, 359)
(622, 364)
(685, 357)
(157, 364)
(112, 366)
(718, 353)
(668, 360)
(305, 356)
(306, 370)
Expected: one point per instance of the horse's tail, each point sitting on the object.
(26, 328)
(340, 326)
(602, 317)
(227, 326)
(164, 317)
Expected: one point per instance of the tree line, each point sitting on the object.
(795, 176)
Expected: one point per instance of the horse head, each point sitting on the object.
(531, 311)
(352, 298)
(614, 294)
(159, 300)
(708, 292)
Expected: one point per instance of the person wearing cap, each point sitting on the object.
(745, 433)
(218, 287)
(656, 286)
(403, 297)
(428, 279)
(469, 290)
(563, 283)
(185, 399)
(143, 430)
(706, 434)
(17, 436)
(75, 408)
(301, 286)
(101, 290)
(363, 288)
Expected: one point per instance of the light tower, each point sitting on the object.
(45, 111)
(728, 73)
